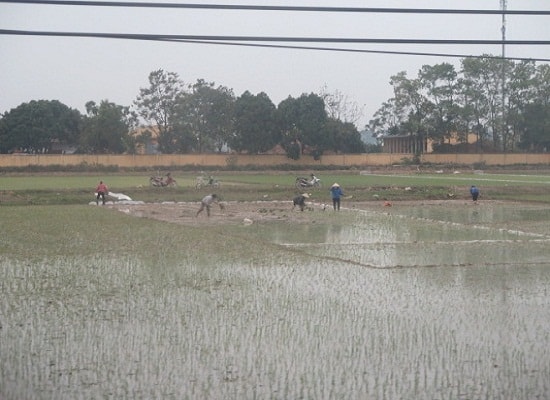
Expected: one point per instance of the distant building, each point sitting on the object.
(410, 144)
(405, 144)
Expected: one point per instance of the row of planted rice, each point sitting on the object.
(301, 313)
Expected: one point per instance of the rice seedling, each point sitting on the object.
(385, 303)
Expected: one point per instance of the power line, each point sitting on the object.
(284, 39)
(347, 50)
(277, 8)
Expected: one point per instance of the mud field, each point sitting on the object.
(264, 211)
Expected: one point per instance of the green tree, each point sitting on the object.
(106, 129)
(439, 84)
(304, 120)
(536, 126)
(204, 117)
(37, 125)
(423, 107)
(536, 115)
(344, 137)
(520, 92)
(157, 103)
(256, 129)
(386, 120)
(488, 76)
(541, 84)
(473, 111)
(492, 98)
(410, 101)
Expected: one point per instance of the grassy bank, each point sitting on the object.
(74, 189)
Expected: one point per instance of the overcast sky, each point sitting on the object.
(77, 70)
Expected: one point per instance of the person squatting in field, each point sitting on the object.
(300, 201)
(101, 191)
(207, 202)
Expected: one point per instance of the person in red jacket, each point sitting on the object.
(101, 191)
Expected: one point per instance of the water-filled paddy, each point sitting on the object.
(382, 304)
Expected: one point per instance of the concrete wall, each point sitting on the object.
(227, 160)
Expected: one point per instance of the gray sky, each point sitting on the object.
(77, 70)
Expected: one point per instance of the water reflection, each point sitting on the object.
(534, 218)
(421, 238)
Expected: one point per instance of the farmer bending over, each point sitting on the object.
(474, 191)
(300, 201)
(207, 201)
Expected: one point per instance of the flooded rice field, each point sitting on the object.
(407, 302)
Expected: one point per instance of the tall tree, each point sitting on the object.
(541, 83)
(156, 105)
(536, 115)
(106, 129)
(491, 97)
(486, 75)
(386, 120)
(410, 101)
(520, 92)
(35, 126)
(343, 137)
(536, 126)
(438, 83)
(256, 129)
(473, 111)
(206, 116)
(304, 120)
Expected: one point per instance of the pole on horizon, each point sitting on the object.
(503, 6)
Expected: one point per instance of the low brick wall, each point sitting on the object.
(239, 160)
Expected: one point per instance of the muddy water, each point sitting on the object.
(400, 304)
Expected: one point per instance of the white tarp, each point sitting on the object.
(119, 196)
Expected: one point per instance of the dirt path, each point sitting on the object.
(256, 212)
(233, 212)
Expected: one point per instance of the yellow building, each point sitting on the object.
(410, 144)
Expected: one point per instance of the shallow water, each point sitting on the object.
(428, 237)
(386, 305)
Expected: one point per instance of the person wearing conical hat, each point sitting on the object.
(336, 193)
(300, 201)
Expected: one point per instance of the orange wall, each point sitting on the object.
(225, 160)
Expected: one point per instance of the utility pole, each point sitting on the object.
(503, 6)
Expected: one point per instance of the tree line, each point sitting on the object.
(200, 117)
(506, 104)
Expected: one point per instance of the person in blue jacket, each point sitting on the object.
(474, 191)
(336, 193)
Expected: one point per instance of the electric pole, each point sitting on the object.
(503, 135)
(503, 28)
